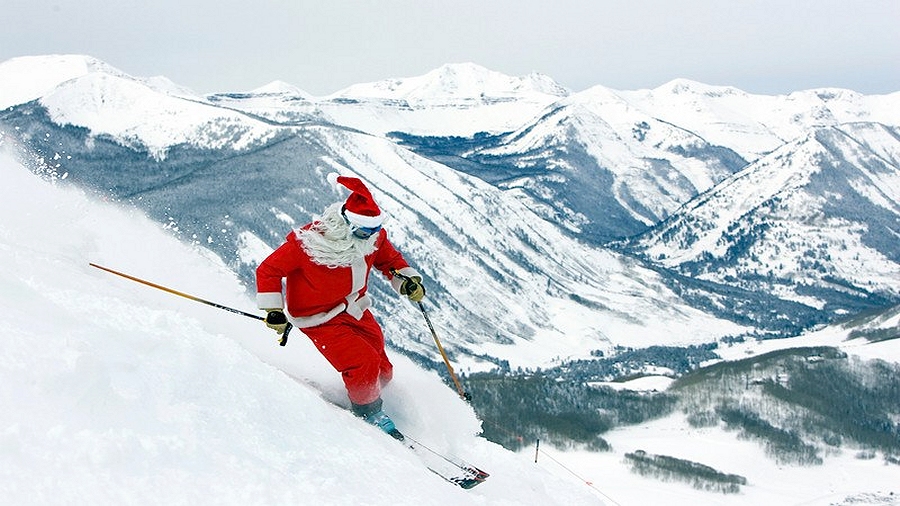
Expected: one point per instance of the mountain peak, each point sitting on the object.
(682, 86)
(280, 88)
(76, 62)
(455, 69)
(455, 82)
(489, 82)
(25, 78)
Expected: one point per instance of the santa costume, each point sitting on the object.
(326, 266)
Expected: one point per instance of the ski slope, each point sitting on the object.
(116, 393)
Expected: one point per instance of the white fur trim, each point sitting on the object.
(269, 300)
(332, 178)
(397, 281)
(302, 322)
(361, 220)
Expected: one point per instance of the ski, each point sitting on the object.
(452, 470)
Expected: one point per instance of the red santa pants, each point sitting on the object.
(356, 349)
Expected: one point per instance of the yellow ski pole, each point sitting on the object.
(462, 394)
(284, 336)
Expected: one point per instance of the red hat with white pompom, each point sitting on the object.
(360, 208)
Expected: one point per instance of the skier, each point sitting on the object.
(326, 264)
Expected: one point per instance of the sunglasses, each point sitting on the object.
(365, 232)
(359, 232)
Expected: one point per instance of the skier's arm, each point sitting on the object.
(269, 274)
(388, 260)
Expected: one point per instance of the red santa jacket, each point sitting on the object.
(317, 293)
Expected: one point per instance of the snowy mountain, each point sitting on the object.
(116, 393)
(506, 201)
(28, 78)
(755, 125)
(525, 203)
(817, 220)
(597, 165)
(456, 99)
(570, 299)
(127, 394)
(636, 156)
(280, 89)
(456, 84)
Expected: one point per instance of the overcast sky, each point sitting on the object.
(766, 46)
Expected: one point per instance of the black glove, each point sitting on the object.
(413, 288)
(276, 320)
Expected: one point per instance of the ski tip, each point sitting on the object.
(477, 473)
(473, 477)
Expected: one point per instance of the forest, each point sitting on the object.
(800, 404)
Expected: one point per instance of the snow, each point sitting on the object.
(651, 383)
(835, 336)
(465, 82)
(147, 117)
(27, 78)
(117, 393)
(281, 88)
(800, 220)
(455, 99)
(843, 480)
(755, 125)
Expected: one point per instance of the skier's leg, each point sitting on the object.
(371, 332)
(360, 365)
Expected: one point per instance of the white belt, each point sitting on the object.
(354, 308)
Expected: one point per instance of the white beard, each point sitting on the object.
(330, 240)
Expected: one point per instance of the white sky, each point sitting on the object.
(765, 46)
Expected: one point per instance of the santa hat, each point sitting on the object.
(360, 208)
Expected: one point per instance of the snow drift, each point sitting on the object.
(115, 393)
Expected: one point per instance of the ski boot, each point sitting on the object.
(373, 414)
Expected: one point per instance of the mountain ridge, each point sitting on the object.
(592, 159)
(834, 167)
(659, 348)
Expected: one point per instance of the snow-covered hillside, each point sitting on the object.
(120, 393)
(526, 200)
(821, 211)
(457, 99)
(153, 114)
(125, 394)
(569, 299)
(618, 154)
(116, 393)
(755, 125)
(612, 164)
(28, 78)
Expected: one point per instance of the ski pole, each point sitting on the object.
(284, 336)
(462, 394)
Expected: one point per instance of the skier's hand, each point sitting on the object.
(413, 289)
(276, 320)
